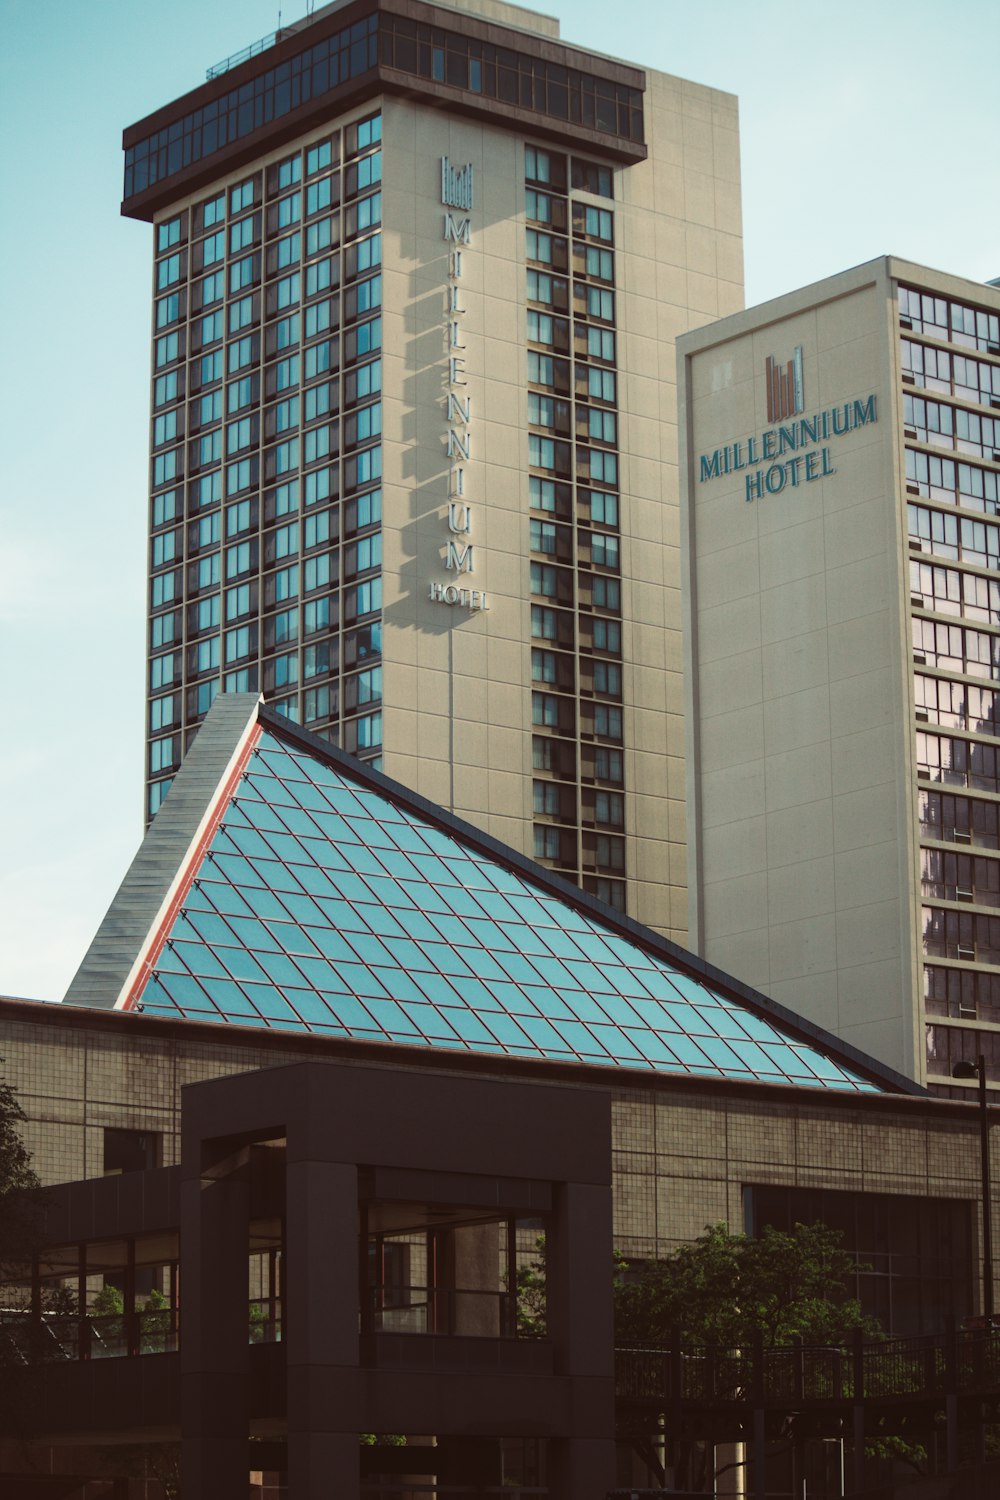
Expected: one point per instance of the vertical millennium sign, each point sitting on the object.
(457, 194)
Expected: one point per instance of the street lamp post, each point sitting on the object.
(978, 1070)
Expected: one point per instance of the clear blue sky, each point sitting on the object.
(867, 129)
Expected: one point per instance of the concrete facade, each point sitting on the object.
(684, 1150)
(808, 785)
(553, 716)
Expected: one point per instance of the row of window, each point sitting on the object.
(955, 374)
(951, 591)
(952, 322)
(952, 819)
(957, 483)
(952, 426)
(960, 934)
(956, 648)
(256, 411)
(958, 762)
(961, 993)
(510, 77)
(328, 64)
(570, 443)
(954, 536)
(959, 705)
(945, 876)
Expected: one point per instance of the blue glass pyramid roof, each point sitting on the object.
(322, 904)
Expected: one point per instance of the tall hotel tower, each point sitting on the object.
(418, 271)
(842, 567)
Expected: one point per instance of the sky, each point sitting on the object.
(866, 129)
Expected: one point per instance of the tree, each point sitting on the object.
(733, 1291)
(19, 1208)
(20, 1230)
(729, 1289)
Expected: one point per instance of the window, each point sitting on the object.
(213, 326)
(544, 537)
(545, 799)
(539, 246)
(168, 272)
(211, 365)
(289, 211)
(166, 389)
(608, 721)
(213, 288)
(242, 273)
(318, 157)
(168, 309)
(603, 466)
(168, 348)
(541, 328)
(600, 304)
(608, 678)
(597, 222)
(546, 841)
(541, 368)
(214, 248)
(603, 508)
(600, 344)
(544, 580)
(542, 493)
(544, 666)
(607, 635)
(538, 206)
(287, 372)
(606, 592)
(241, 235)
(286, 414)
(237, 644)
(238, 601)
(609, 809)
(289, 171)
(288, 251)
(241, 354)
(545, 710)
(168, 234)
(319, 195)
(604, 550)
(241, 197)
(288, 290)
(544, 623)
(602, 426)
(599, 263)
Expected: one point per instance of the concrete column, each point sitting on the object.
(580, 1314)
(214, 1340)
(321, 1307)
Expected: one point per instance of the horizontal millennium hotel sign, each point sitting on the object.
(765, 456)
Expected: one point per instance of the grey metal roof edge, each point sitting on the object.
(159, 862)
(690, 963)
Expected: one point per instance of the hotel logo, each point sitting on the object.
(785, 389)
(456, 185)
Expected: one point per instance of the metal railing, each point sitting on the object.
(235, 58)
(967, 1360)
(450, 1310)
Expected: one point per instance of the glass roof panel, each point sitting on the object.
(325, 906)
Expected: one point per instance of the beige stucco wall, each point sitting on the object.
(457, 686)
(800, 697)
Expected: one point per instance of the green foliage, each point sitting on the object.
(20, 1210)
(728, 1288)
(529, 1289)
